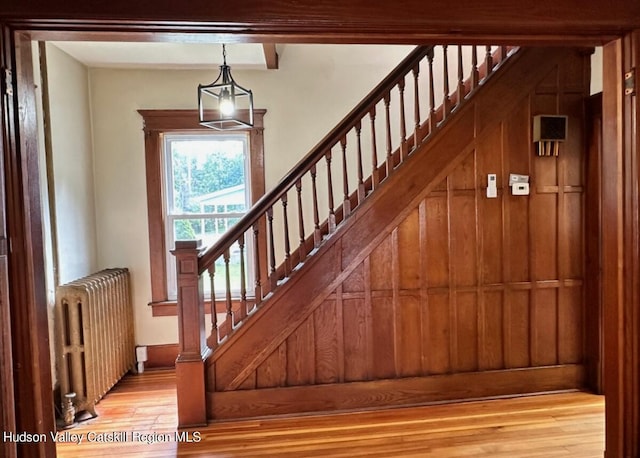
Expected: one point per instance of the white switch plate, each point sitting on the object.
(492, 190)
(520, 189)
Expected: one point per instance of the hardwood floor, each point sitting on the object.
(140, 412)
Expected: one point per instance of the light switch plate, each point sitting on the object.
(520, 189)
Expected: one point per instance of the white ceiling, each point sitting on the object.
(163, 55)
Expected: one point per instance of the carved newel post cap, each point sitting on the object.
(187, 245)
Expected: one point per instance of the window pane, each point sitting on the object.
(206, 173)
(209, 230)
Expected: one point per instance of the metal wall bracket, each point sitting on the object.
(630, 82)
(7, 82)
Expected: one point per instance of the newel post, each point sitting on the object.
(193, 350)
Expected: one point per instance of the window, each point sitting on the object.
(206, 190)
(200, 182)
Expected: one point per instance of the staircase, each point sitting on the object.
(282, 346)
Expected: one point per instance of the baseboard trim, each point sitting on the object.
(392, 393)
(161, 356)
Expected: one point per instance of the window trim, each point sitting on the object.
(156, 123)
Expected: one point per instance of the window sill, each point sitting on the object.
(170, 307)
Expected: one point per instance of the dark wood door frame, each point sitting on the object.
(621, 257)
(620, 246)
(29, 379)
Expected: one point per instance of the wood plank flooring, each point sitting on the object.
(140, 412)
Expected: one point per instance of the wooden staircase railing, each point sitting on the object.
(377, 126)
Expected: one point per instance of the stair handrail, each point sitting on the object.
(269, 199)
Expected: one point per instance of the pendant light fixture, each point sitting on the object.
(224, 104)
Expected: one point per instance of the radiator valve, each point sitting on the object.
(69, 409)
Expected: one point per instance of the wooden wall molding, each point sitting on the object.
(337, 21)
(392, 393)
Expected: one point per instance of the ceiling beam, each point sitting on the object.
(270, 55)
(338, 21)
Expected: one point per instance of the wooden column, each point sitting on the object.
(193, 350)
(620, 252)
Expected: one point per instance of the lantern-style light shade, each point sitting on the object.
(224, 104)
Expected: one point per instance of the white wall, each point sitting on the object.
(72, 165)
(314, 88)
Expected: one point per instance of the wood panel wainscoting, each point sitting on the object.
(455, 295)
(556, 425)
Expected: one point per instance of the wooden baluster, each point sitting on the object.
(503, 53)
(461, 92)
(287, 247)
(213, 339)
(361, 192)
(432, 94)
(243, 311)
(403, 124)
(416, 107)
(317, 235)
(272, 250)
(387, 101)
(446, 101)
(475, 75)
(228, 324)
(257, 267)
(302, 253)
(488, 62)
(346, 202)
(375, 174)
(332, 213)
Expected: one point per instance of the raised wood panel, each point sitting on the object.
(463, 177)
(356, 347)
(463, 240)
(571, 326)
(436, 252)
(408, 243)
(438, 334)
(517, 328)
(572, 263)
(491, 331)
(409, 337)
(454, 283)
(465, 320)
(384, 337)
(327, 344)
(301, 364)
(544, 239)
(544, 332)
